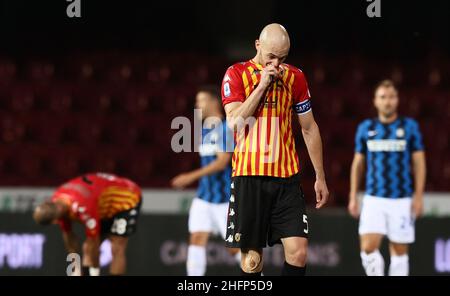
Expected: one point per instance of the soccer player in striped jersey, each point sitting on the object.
(390, 147)
(208, 212)
(108, 207)
(267, 205)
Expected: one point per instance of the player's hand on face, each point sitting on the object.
(353, 207)
(268, 74)
(181, 181)
(322, 193)
(417, 206)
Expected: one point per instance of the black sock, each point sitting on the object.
(291, 270)
(243, 273)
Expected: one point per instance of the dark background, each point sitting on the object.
(98, 93)
(405, 29)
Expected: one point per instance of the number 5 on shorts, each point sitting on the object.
(305, 220)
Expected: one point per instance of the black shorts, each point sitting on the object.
(263, 210)
(121, 224)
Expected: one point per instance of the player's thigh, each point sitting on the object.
(401, 222)
(219, 216)
(288, 216)
(373, 218)
(248, 214)
(370, 242)
(199, 216)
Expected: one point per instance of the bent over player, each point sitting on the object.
(108, 207)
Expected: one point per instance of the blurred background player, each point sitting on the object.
(208, 212)
(267, 204)
(108, 207)
(391, 147)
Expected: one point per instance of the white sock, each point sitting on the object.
(196, 261)
(399, 265)
(373, 263)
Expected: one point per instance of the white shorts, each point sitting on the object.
(391, 217)
(208, 217)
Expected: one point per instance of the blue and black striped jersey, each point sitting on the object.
(215, 188)
(388, 149)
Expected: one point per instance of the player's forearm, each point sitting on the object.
(420, 171)
(313, 143)
(247, 108)
(355, 177)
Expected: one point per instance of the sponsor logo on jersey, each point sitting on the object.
(386, 145)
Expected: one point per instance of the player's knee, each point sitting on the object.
(251, 262)
(369, 246)
(398, 249)
(118, 248)
(296, 257)
(198, 238)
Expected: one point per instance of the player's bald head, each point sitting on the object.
(45, 213)
(275, 36)
(273, 43)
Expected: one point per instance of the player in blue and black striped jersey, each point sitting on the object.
(391, 148)
(209, 210)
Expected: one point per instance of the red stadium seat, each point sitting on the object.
(12, 129)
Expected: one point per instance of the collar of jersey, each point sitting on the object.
(259, 66)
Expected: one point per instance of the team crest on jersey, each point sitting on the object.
(400, 133)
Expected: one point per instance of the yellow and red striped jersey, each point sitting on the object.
(94, 197)
(266, 146)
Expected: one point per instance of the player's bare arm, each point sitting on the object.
(356, 175)
(419, 172)
(91, 252)
(71, 242)
(313, 141)
(218, 165)
(238, 110)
